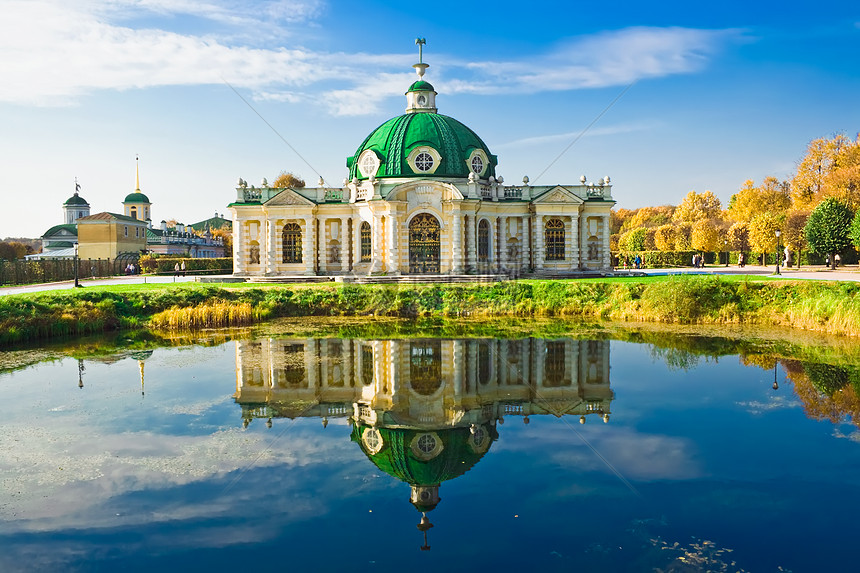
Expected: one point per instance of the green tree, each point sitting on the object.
(633, 240)
(854, 232)
(828, 227)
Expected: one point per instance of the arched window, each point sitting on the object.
(554, 240)
(292, 239)
(365, 242)
(133, 212)
(555, 365)
(255, 253)
(483, 241)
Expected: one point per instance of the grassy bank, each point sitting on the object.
(818, 306)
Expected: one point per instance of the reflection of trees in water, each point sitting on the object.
(827, 392)
(675, 358)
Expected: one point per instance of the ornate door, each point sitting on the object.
(424, 244)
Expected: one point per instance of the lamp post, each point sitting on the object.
(726, 246)
(77, 284)
(777, 251)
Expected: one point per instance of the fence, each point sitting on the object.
(20, 272)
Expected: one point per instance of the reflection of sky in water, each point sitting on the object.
(103, 477)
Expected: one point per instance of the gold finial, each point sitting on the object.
(137, 172)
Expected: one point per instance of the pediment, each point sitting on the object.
(559, 194)
(288, 197)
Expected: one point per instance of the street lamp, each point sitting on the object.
(726, 245)
(77, 284)
(777, 251)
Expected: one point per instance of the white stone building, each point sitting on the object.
(422, 197)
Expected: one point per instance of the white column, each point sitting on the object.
(583, 240)
(576, 251)
(526, 244)
(323, 245)
(391, 265)
(239, 248)
(607, 256)
(457, 242)
(471, 244)
(271, 250)
(376, 243)
(503, 243)
(344, 244)
(570, 243)
(539, 249)
(356, 241)
(308, 244)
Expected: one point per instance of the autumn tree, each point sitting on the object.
(772, 196)
(698, 206)
(793, 233)
(739, 237)
(828, 227)
(664, 238)
(287, 179)
(830, 168)
(705, 236)
(684, 236)
(762, 232)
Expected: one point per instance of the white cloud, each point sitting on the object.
(56, 52)
(564, 137)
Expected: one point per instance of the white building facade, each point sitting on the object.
(422, 197)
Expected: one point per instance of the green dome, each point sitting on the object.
(393, 141)
(136, 198)
(421, 86)
(396, 458)
(76, 200)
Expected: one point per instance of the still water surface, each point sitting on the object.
(423, 454)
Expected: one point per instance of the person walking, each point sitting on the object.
(183, 268)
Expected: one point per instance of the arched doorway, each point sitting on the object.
(424, 244)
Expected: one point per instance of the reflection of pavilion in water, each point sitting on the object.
(423, 410)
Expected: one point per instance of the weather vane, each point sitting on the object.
(420, 43)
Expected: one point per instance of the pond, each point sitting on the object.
(580, 452)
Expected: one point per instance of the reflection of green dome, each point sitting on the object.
(396, 138)
(76, 200)
(460, 450)
(136, 198)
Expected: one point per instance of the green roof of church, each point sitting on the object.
(68, 227)
(76, 200)
(397, 460)
(421, 86)
(396, 138)
(136, 197)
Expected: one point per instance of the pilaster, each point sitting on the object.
(308, 243)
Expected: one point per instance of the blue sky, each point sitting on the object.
(718, 93)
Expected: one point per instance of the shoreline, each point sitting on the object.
(816, 306)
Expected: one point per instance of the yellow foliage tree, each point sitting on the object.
(287, 179)
(739, 237)
(684, 236)
(664, 238)
(763, 232)
(830, 168)
(698, 206)
(705, 236)
(771, 196)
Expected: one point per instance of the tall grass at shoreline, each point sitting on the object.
(813, 305)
